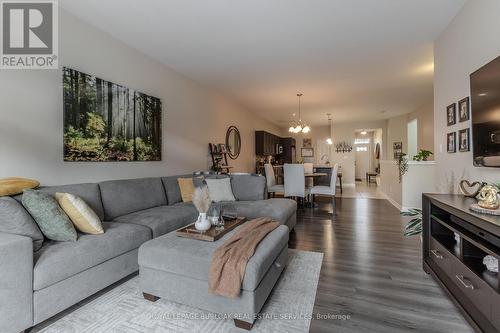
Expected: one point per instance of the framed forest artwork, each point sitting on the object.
(104, 121)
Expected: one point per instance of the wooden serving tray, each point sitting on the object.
(211, 235)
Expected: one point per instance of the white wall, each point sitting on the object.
(425, 118)
(389, 182)
(468, 43)
(31, 114)
(412, 136)
(418, 179)
(396, 132)
(408, 194)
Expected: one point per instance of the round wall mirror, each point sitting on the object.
(233, 142)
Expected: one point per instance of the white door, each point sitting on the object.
(363, 159)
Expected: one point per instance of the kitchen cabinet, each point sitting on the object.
(266, 143)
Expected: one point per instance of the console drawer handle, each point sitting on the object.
(437, 254)
(465, 283)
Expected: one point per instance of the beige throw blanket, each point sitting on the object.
(229, 261)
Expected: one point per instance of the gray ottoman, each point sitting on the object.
(177, 269)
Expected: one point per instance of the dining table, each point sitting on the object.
(316, 174)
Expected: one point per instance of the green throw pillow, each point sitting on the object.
(52, 220)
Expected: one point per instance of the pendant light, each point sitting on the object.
(299, 126)
(329, 140)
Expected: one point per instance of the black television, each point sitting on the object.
(485, 106)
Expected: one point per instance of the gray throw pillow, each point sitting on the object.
(14, 219)
(51, 219)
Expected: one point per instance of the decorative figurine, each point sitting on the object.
(488, 197)
(475, 187)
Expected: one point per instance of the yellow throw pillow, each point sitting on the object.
(82, 216)
(16, 185)
(187, 188)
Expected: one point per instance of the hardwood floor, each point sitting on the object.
(372, 277)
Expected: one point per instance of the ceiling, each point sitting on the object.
(357, 59)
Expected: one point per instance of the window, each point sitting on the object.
(362, 141)
(364, 148)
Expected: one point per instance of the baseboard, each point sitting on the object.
(393, 202)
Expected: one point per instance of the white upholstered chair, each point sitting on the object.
(272, 187)
(328, 190)
(295, 181)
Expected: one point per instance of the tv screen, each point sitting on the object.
(485, 106)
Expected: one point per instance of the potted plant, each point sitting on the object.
(402, 165)
(414, 226)
(422, 155)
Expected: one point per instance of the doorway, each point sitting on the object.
(363, 154)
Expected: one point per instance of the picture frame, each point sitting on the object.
(451, 142)
(307, 143)
(97, 121)
(451, 114)
(464, 140)
(307, 152)
(463, 110)
(397, 148)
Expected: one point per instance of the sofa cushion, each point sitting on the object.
(14, 219)
(163, 219)
(122, 197)
(279, 209)
(89, 192)
(57, 261)
(170, 253)
(248, 187)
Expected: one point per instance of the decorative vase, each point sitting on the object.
(202, 224)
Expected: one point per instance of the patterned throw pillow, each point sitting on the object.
(51, 219)
(82, 216)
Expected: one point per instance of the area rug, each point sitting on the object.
(123, 309)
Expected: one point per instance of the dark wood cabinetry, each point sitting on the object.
(266, 143)
(288, 150)
(455, 242)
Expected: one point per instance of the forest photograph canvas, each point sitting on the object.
(104, 121)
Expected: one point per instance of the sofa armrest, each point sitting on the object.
(16, 283)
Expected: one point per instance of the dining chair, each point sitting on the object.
(272, 187)
(327, 190)
(295, 181)
(309, 168)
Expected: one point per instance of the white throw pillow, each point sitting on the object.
(220, 189)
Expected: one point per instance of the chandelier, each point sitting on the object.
(299, 126)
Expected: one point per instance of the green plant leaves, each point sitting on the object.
(414, 226)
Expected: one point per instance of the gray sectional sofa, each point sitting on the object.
(36, 286)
